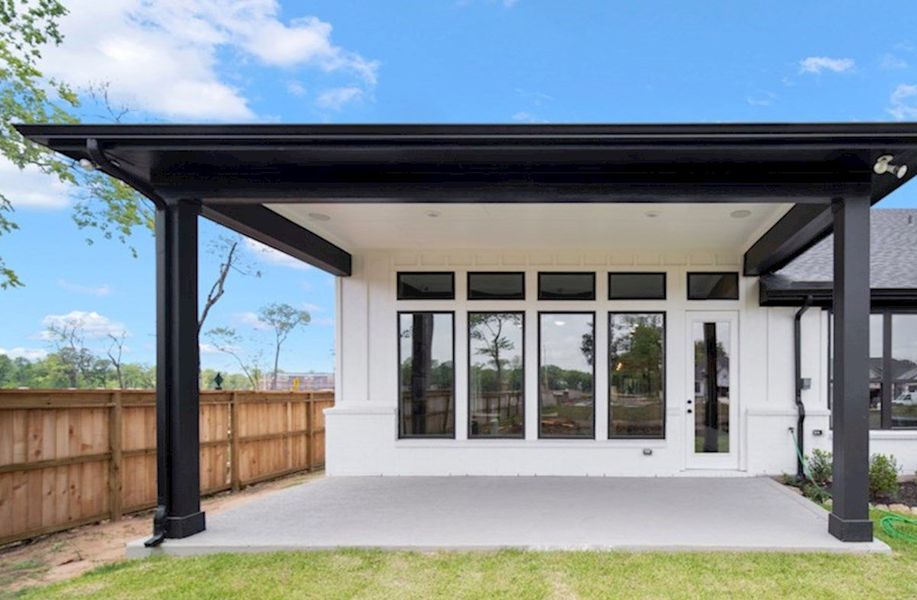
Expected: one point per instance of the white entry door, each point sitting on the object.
(712, 407)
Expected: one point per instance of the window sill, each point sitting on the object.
(446, 443)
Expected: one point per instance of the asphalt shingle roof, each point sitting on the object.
(893, 252)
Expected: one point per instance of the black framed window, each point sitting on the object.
(713, 286)
(426, 286)
(496, 285)
(903, 370)
(892, 369)
(566, 375)
(636, 286)
(426, 374)
(636, 375)
(566, 286)
(496, 374)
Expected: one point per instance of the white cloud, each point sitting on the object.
(163, 57)
(527, 117)
(761, 99)
(890, 62)
(251, 320)
(904, 102)
(817, 64)
(274, 256)
(31, 189)
(208, 348)
(312, 307)
(92, 290)
(296, 88)
(336, 98)
(92, 324)
(26, 353)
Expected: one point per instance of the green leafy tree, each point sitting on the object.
(283, 319)
(26, 96)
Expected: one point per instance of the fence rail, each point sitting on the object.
(71, 457)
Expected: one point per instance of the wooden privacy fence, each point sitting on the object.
(71, 457)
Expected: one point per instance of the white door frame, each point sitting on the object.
(725, 460)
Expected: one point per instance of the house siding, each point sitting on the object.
(362, 429)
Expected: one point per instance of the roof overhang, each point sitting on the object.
(777, 290)
(220, 165)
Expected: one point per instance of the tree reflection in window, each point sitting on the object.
(565, 375)
(496, 374)
(636, 358)
(426, 374)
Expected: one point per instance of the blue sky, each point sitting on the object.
(422, 61)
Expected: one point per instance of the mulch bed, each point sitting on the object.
(907, 494)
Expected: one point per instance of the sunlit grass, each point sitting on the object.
(505, 574)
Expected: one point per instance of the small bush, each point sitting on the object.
(815, 493)
(883, 475)
(821, 467)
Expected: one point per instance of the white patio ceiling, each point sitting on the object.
(556, 225)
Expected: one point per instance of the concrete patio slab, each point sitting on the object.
(538, 513)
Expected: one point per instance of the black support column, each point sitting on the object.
(849, 519)
(177, 373)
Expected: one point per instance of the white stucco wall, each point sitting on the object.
(362, 428)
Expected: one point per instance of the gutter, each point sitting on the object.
(112, 168)
(800, 407)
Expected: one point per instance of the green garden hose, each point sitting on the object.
(889, 523)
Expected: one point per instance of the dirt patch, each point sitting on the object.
(70, 553)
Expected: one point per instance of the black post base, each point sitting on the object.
(181, 527)
(850, 530)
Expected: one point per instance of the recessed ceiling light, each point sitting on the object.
(652, 214)
(319, 217)
(433, 213)
(740, 214)
(560, 323)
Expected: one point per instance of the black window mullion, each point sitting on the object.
(886, 408)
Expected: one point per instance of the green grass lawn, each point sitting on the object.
(507, 574)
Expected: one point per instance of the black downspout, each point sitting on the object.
(800, 407)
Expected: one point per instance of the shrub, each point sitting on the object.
(883, 475)
(815, 493)
(821, 467)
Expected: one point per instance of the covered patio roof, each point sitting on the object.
(826, 176)
(235, 170)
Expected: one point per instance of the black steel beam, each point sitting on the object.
(271, 229)
(799, 229)
(849, 518)
(179, 512)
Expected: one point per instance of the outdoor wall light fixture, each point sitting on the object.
(884, 165)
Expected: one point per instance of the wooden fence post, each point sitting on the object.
(234, 434)
(288, 433)
(115, 423)
(310, 426)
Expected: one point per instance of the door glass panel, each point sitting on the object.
(712, 349)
